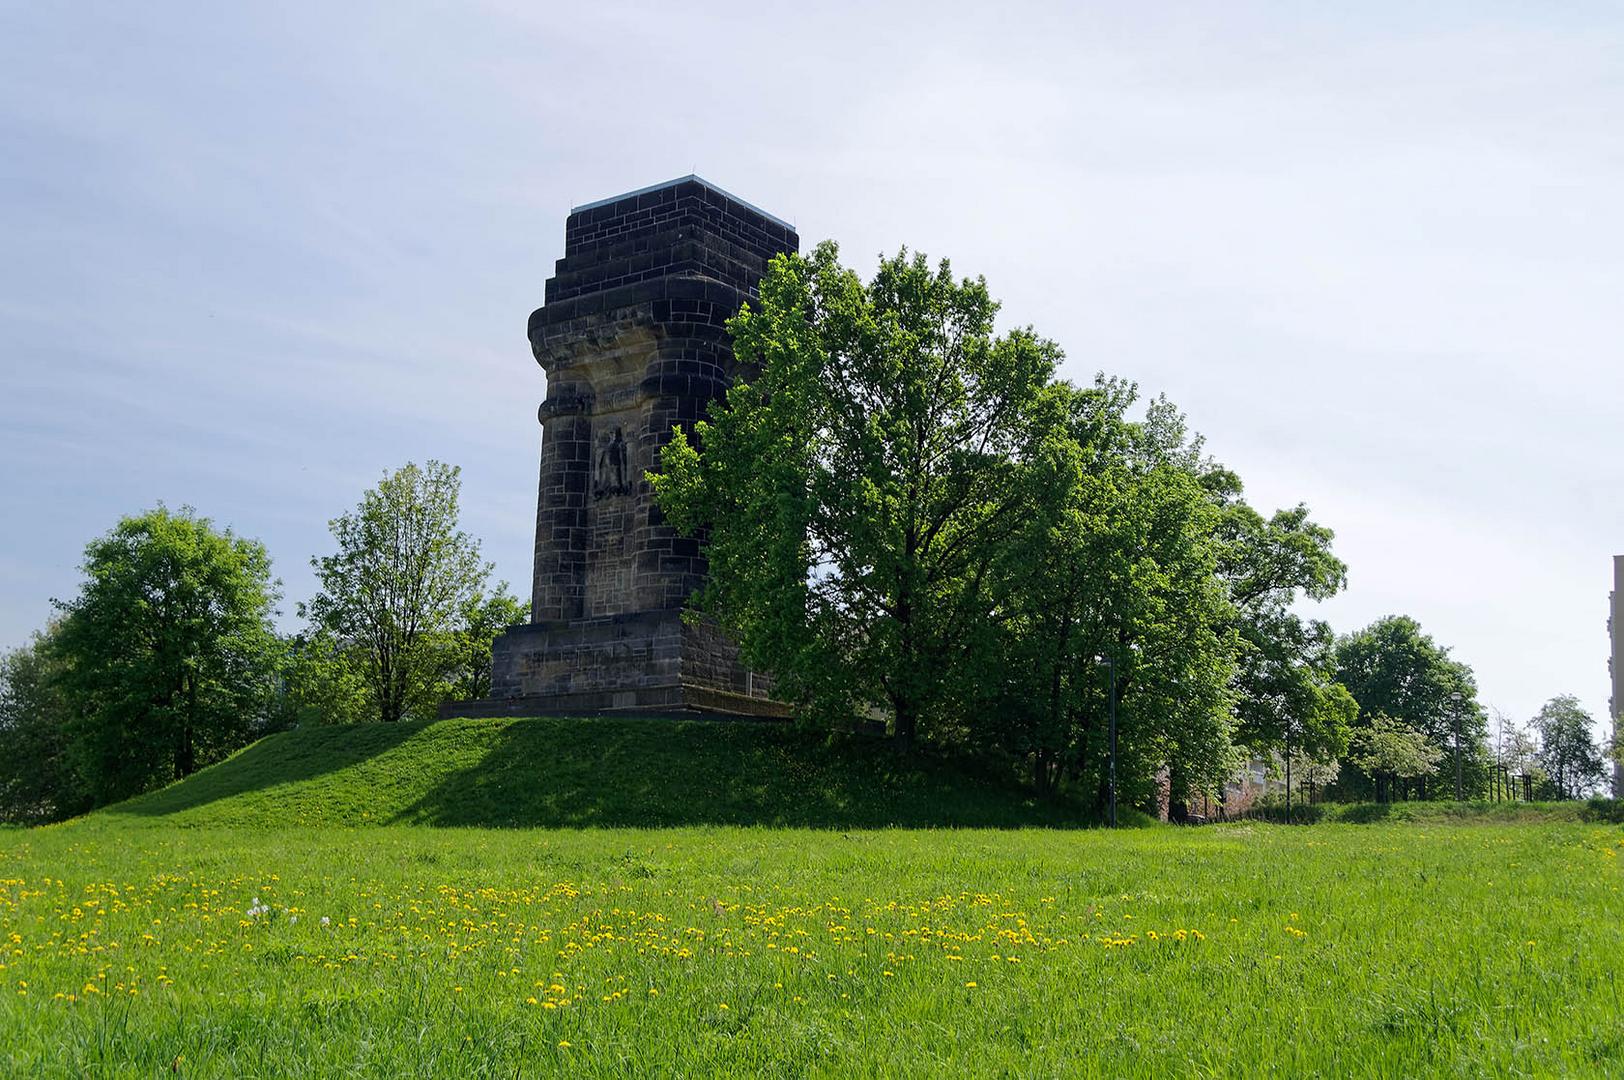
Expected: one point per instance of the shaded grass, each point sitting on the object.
(551, 772)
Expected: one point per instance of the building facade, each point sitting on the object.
(1615, 664)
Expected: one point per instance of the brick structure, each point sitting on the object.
(633, 339)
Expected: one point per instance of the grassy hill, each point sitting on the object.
(648, 772)
(161, 937)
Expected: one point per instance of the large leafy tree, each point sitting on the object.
(38, 781)
(1111, 587)
(855, 495)
(1567, 751)
(399, 599)
(169, 659)
(1391, 667)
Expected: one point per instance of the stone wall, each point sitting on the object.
(646, 660)
(633, 339)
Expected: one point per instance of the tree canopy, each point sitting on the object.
(856, 494)
(1394, 669)
(169, 658)
(1287, 694)
(405, 614)
(38, 781)
(1567, 751)
(907, 513)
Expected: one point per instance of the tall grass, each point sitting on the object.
(691, 898)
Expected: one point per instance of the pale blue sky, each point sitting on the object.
(254, 256)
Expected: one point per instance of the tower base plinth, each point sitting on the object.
(650, 661)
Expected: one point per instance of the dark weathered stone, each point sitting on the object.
(633, 339)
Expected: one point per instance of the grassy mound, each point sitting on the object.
(643, 772)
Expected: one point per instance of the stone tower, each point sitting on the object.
(632, 337)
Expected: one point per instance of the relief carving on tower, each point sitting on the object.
(610, 476)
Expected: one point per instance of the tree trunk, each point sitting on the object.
(185, 750)
(1178, 792)
(906, 718)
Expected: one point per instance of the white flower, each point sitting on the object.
(325, 920)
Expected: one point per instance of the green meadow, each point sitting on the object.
(488, 898)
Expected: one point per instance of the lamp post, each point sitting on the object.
(1456, 698)
(1110, 675)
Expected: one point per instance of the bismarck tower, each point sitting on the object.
(633, 338)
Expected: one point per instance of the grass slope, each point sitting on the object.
(646, 772)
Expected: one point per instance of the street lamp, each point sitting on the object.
(1110, 675)
(1456, 698)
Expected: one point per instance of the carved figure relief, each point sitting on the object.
(610, 477)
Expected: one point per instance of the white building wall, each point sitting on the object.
(1615, 664)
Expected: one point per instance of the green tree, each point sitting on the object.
(1567, 752)
(465, 652)
(169, 659)
(1520, 754)
(1312, 773)
(1392, 668)
(324, 682)
(37, 779)
(1388, 749)
(854, 496)
(398, 595)
(1287, 695)
(1117, 563)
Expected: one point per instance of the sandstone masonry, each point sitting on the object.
(633, 338)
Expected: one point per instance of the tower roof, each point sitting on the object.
(691, 178)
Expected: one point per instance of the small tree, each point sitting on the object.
(1520, 752)
(37, 779)
(324, 682)
(1390, 750)
(1311, 774)
(1567, 752)
(169, 659)
(465, 653)
(1615, 753)
(405, 582)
